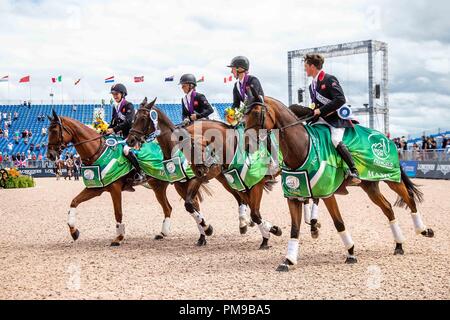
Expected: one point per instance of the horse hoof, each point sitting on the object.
(351, 260)
(75, 235)
(115, 244)
(264, 245)
(429, 233)
(243, 230)
(209, 231)
(276, 231)
(399, 252)
(159, 237)
(252, 224)
(283, 268)
(315, 234)
(201, 242)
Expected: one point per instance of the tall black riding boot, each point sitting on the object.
(348, 159)
(139, 177)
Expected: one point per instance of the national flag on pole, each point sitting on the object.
(169, 78)
(4, 79)
(202, 79)
(109, 80)
(227, 79)
(59, 79)
(24, 79)
(139, 79)
(78, 81)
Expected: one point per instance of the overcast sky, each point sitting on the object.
(96, 39)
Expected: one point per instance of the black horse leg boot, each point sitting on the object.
(347, 157)
(139, 177)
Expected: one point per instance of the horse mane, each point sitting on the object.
(78, 123)
(283, 105)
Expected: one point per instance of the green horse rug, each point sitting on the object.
(113, 165)
(246, 170)
(324, 171)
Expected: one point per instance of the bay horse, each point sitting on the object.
(169, 139)
(294, 143)
(90, 145)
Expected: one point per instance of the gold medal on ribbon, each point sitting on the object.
(312, 106)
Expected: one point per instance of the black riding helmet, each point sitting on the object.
(240, 62)
(189, 79)
(119, 88)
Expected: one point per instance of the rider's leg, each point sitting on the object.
(129, 154)
(337, 135)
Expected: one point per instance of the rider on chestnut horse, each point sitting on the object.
(121, 122)
(195, 106)
(327, 97)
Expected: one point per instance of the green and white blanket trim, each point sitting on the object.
(113, 165)
(324, 171)
(245, 171)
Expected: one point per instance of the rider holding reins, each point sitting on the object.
(121, 122)
(327, 97)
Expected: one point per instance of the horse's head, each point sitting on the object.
(258, 114)
(58, 137)
(143, 125)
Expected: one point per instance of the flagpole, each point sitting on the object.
(29, 85)
(62, 92)
(8, 89)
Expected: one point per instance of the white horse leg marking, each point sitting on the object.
(292, 252)
(198, 217)
(347, 241)
(265, 227)
(315, 212)
(120, 229)
(396, 232)
(165, 231)
(72, 218)
(307, 213)
(243, 217)
(418, 223)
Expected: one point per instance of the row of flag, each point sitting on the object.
(110, 79)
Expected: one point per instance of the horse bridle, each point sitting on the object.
(61, 145)
(144, 136)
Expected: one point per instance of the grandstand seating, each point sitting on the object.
(28, 119)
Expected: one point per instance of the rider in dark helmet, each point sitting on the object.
(121, 122)
(195, 106)
(239, 68)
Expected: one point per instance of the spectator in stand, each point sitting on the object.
(24, 103)
(5, 116)
(77, 167)
(6, 133)
(6, 158)
(10, 147)
(404, 143)
(40, 156)
(30, 134)
(74, 108)
(16, 116)
(444, 141)
(14, 157)
(44, 131)
(24, 134)
(28, 155)
(1, 157)
(1, 133)
(16, 137)
(29, 104)
(31, 147)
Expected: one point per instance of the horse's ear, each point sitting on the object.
(50, 118)
(55, 116)
(144, 102)
(151, 104)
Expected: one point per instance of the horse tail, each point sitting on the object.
(413, 191)
(203, 189)
(269, 184)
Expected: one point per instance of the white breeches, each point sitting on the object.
(337, 134)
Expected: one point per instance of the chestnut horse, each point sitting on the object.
(294, 143)
(90, 145)
(169, 139)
